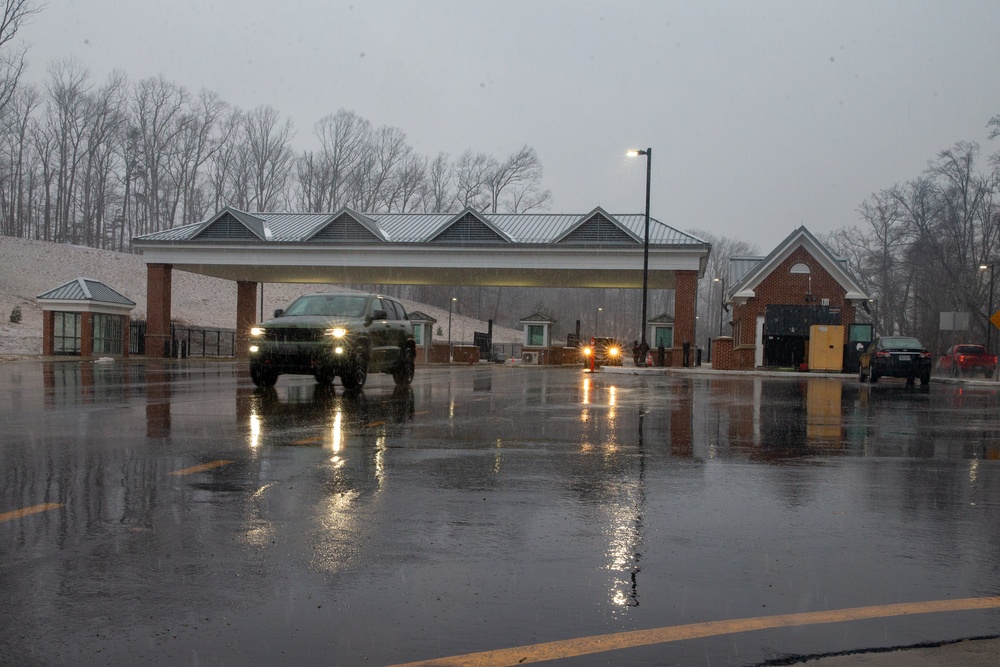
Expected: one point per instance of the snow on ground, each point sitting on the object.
(29, 268)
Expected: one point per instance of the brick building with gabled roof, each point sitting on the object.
(775, 299)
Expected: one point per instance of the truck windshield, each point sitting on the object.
(328, 305)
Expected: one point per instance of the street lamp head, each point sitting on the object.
(636, 153)
(983, 267)
(716, 280)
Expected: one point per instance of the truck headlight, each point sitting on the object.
(338, 332)
(613, 351)
(256, 331)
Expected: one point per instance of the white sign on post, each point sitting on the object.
(954, 321)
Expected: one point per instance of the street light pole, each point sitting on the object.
(722, 301)
(645, 244)
(989, 324)
(450, 354)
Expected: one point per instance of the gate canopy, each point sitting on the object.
(596, 249)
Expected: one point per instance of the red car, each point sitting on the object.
(966, 358)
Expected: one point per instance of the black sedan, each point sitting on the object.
(898, 357)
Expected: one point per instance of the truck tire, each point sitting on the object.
(403, 375)
(356, 375)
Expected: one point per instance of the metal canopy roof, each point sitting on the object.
(85, 289)
(596, 249)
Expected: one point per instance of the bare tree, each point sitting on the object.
(13, 15)
(517, 179)
(158, 111)
(407, 183)
(344, 139)
(439, 185)
(711, 316)
(371, 182)
(227, 180)
(203, 134)
(67, 118)
(472, 180)
(17, 123)
(107, 122)
(269, 158)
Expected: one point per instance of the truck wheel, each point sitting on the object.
(403, 375)
(356, 375)
(263, 377)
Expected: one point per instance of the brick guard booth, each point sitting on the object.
(84, 318)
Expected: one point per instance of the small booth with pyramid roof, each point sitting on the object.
(85, 318)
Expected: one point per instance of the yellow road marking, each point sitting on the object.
(308, 441)
(28, 511)
(422, 412)
(568, 648)
(201, 468)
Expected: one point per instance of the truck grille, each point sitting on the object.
(291, 335)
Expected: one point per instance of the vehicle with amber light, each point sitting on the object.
(602, 351)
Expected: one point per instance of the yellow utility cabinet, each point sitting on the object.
(826, 347)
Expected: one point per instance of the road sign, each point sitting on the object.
(996, 319)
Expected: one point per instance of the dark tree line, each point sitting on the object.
(97, 163)
(920, 246)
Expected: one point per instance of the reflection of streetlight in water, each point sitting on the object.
(625, 549)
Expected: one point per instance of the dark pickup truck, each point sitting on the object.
(967, 359)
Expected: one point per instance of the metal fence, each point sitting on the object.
(504, 351)
(208, 342)
(186, 341)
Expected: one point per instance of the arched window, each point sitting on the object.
(800, 267)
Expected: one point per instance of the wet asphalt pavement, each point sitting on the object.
(179, 516)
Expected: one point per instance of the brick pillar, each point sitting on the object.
(86, 334)
(246, 315)
(158, 282)
(722, 353)
(685, 298)
(48, 333)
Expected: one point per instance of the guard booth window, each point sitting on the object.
(66, 333)
(664, 337)
(536, 335)
(109, 331)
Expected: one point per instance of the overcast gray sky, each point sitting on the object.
(762, 115)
